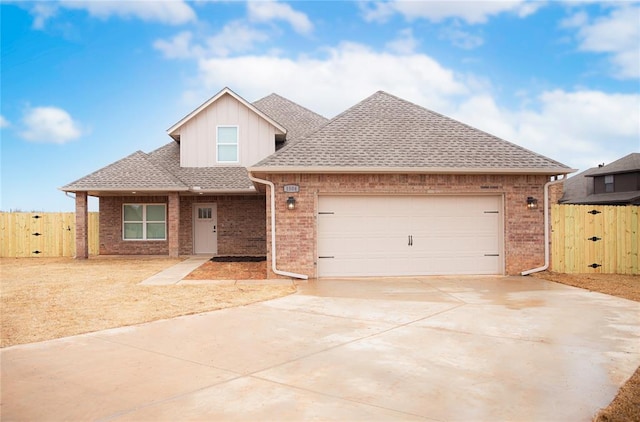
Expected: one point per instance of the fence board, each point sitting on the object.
(573, 227)
(57, 237)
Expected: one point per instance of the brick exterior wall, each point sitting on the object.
(241, 225)
(82, 226)
(296, 229)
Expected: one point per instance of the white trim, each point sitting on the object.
(405, 170)
(173, 129)
(144, 222)
(237, 144)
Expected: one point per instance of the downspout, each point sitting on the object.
(546, 228)
(273, 230)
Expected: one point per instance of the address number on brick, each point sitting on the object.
(291, 188)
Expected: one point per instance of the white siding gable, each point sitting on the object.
(256, 136)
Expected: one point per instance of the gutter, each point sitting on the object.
(273, 230)
(408, 170)
(546, 228)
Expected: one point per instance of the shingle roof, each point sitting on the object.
(296, 119)
(613, 198)
(384, 131)
(134, 172)
(207, 178)
(577, 187)
(628, 163)
(160, 171)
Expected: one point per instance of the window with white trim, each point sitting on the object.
(227, 144)
(144, 222)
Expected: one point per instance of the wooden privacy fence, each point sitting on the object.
(24, 234)
(595, 239)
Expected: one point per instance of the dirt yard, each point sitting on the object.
(626, 406)
(46, 298)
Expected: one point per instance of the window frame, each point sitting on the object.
(609, 183)
(144, 222)
(219, 144)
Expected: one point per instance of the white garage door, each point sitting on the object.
(409, 235)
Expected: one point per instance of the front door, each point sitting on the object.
(205, 228)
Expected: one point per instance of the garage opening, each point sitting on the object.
(409, 235)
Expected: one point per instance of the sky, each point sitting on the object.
(85, 83)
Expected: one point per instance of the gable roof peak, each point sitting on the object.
(174, 131)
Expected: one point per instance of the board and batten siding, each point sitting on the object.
(198, 136)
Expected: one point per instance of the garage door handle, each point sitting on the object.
(410, 240)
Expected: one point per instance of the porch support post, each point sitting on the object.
(82, 226)
(174, 224)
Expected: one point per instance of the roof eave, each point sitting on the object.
(552, 171)
(125, 190)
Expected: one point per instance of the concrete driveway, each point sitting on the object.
(433, 348)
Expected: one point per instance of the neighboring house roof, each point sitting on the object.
(628, 163)
(298, 120)
(174, 131)
(631, 197)
(384, 133)
(578, 187)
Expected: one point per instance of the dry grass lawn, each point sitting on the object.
(626, 406)
(46, 298)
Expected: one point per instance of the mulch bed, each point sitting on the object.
(230, 271)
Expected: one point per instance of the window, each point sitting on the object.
(608, 183)
(144, 222)
(227, 144)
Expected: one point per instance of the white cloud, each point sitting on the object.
(42, 11)
(348, 74)
(460, 38)
(235, 37)
(617, 34)
(178, 47)
(49, 125)
(471, 11)
(404, 44)
(266, 11)
(579, 128)
(4, 122)
(172, 12)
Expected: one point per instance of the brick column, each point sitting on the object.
(174, 224)
(82, 226)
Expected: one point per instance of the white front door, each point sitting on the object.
(205, 229)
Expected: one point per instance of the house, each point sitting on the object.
(385, 188)
(617, 183)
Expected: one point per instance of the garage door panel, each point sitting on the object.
(409, 235)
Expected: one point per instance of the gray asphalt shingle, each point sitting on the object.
(386, 131)
(298, 120)
(134, 172)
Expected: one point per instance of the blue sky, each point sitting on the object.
(85, 83)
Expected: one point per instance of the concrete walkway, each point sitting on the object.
(175, 273)
(430, 349)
